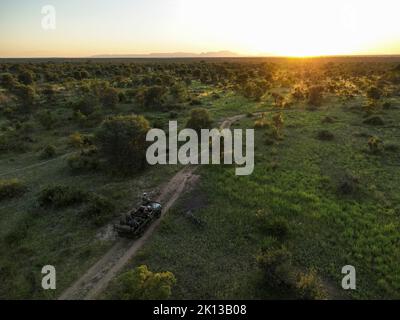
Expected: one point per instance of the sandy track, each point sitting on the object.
(96, 279)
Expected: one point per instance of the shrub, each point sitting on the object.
(109, 97)
(392, 147)
(374, 93)
(60, 196)
(122, 141)
(11, 188)
(85, 160)
(199, 119)
(348, 184)
(26, 77)
(309, 286)
(142, 284)
(46, 119)
(375, 145)
(195, 102)
(253, 91)
(278, 121)
(178, 92)
(262, 122)
(49, 92)
(76, 140)
(315, 95)
(122, 97)
(18, 233)
(374, 121)
(87, 105)
(276, 265)
(328, 119)
(153, 96)
(8, 81)
(173, 115)
(26, 94)
(276, 226)
(48, 152)
(325, 135)
(99, 210)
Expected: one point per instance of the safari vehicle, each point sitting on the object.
(134, 223)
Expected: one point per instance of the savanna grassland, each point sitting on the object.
(324, 192)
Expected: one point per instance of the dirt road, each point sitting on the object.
(96, 279)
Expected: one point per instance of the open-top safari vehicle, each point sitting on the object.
(135, 222)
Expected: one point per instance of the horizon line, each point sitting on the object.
(237, 56)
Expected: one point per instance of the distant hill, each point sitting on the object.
(216, 54)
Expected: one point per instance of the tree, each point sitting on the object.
(374, 93)
(151, 96)
(49, 92)
(122, 141)
(178, 92)
(309, 286)
(142, 284)
(315, 95)
(46, 119)
(26, 94)
(8, 81)
(87, 105)
(109, 97)
(26, 77)
(276, 265)
(199, 119)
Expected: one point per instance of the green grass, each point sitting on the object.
(297, 179)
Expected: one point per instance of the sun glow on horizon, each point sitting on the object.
(298, 28)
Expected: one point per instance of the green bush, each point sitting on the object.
(14, 237)
(98, 209)
(79, 140)
(199, 119)
(142, 284)
(315, 95)
(11, 188)
(61, 196)
(84, 160)
(309, 286)
(46, 119)
(48, 152)
(122, 141)
(276, 266)
(275, 226)
(26, 77)
(26, 94)
(153, 96)
(375, 145)
(374, 93)
(109, 97)
(325, 135)
(374, 121)
(8, 81)
(87, 105)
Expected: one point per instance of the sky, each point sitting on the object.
(248, 27)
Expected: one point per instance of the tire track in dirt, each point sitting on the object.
(36, 165)
(96, 279)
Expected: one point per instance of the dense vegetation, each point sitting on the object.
(324, 192)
